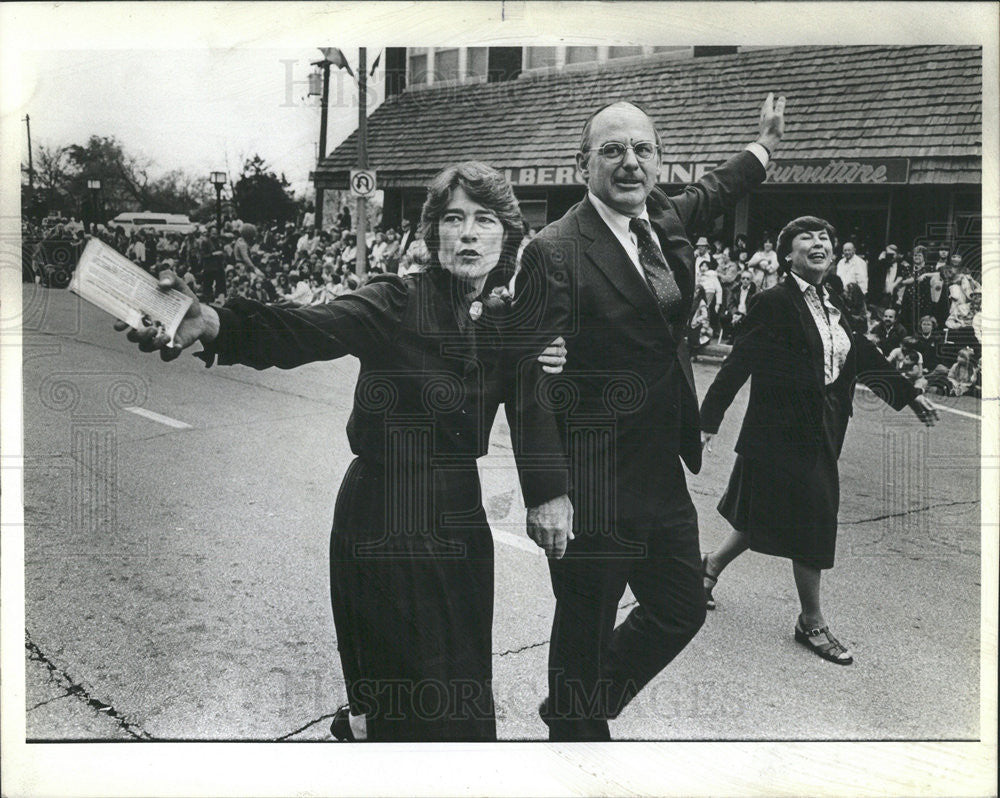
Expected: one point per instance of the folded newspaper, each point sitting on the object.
(109, 280)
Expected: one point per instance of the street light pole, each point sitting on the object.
(218, 180)
(325, 64)
(94, 185)
(31, 163)
(359, 266)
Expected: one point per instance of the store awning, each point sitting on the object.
(911, 111)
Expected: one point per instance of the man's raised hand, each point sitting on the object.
(772, 121)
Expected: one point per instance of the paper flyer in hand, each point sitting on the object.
(109, 280)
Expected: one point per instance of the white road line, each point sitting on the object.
(170, 422)
(509, 539)
(940, 407)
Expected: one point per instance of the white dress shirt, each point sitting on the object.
(836, 343)
(854, 270)
(619, 222)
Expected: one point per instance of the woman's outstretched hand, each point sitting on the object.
(200, 323)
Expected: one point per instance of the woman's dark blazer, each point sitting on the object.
(779, 346)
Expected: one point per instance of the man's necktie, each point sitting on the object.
(658, 274)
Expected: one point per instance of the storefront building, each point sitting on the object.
(885, 142)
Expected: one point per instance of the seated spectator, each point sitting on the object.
(281, 286)
(416, 257)
(728, 272)
(324, 292)
(963, 375)
(960, 291)
(700, 331)
(377, 253)
(701, 253)
(764, 263)
(709, 281)
(736, 307)
(976, 300)
(929, 342)
(888, 332)
(390, 256)
(906, 358)
(857, 309)
(740, 247)
(719, 250)
(349, 253)
(264, 290)
(136, 251)
(307, 241)
(302, 293)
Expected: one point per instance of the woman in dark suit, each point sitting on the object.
(804, 359)
(411, 553)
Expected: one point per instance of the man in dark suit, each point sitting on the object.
(406, 237)
(615, 276)
(737, 304)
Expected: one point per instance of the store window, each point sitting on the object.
(580, 55)
(475, 63)
(416, 66)
(446, 65)
(533, 211)
(624, 52)
(540, 57)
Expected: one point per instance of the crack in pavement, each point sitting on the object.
(519, 650)
(902, 513)
(623, 606)
(73, 688)
(303, 728)
(48, 701)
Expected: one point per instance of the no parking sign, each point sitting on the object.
(363, 183)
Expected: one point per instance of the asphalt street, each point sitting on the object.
(177, 526)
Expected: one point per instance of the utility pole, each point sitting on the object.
(31, 163)
(325, 64)
(362, 215)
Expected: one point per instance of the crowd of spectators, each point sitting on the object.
(271, 263)
(922, 309)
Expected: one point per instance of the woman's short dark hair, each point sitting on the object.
(804, 224)
(482, 184)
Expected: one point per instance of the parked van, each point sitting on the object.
(160, 222)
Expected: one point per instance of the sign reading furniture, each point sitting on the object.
(834, 171)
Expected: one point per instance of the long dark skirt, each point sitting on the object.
(413, 605)
(787, 514)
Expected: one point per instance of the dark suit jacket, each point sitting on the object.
(779, 346)
(733, 305)
(626, 398)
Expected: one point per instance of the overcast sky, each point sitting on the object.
(196, 110)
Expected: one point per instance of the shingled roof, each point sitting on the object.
(922, 102)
